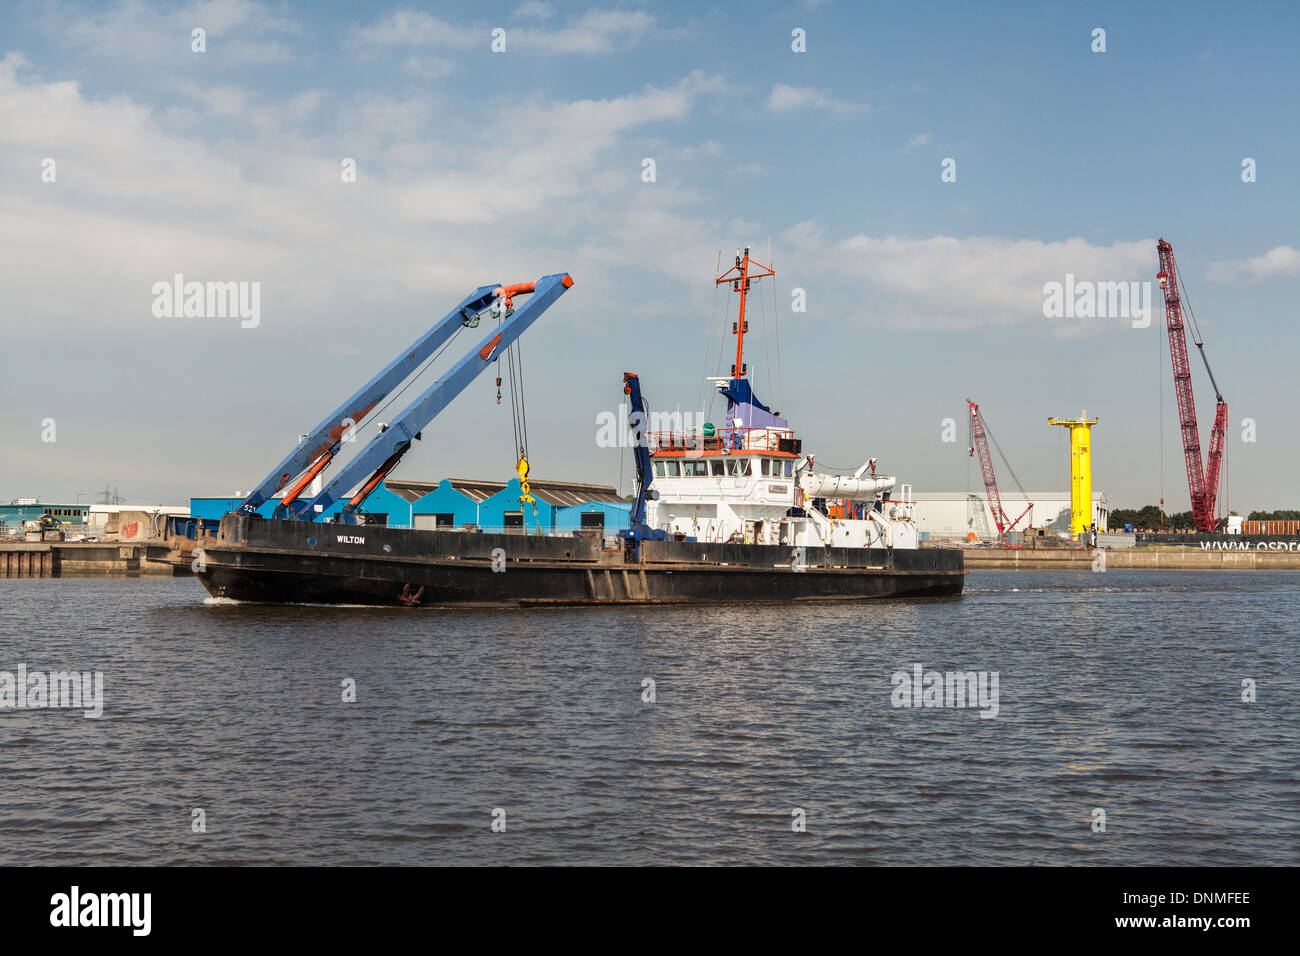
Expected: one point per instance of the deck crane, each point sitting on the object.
(386, 449)
(1202, 482)
(979, 446)
(638, 419)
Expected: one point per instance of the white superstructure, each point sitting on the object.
(716, 492)
(750, 482)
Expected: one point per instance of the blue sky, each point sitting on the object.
(478, 167)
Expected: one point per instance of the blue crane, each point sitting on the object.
(638, 418)
(386, 449)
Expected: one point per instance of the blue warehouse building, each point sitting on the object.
(561, 507)
(385, 506)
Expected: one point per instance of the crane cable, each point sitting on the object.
(767, 352)
(515, 386)
(776, 319)
(519, 422)
(1199, 342)
(1024, 493)
(722, 338)
(1160, 375)
(358, 428)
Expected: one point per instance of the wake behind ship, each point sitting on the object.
(721, 512)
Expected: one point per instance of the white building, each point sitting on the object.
(957, 514)
(126, 522)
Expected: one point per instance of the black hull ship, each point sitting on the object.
(295, 562)
(720, 513)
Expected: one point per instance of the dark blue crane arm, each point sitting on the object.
(383, 452)
(640, 450)
(326, 437)
(639, 420)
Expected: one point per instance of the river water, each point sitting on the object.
(772, 736)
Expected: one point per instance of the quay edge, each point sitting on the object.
(1129, 559)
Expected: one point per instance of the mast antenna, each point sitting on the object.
(740, 275)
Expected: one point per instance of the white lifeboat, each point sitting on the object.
(838, 486)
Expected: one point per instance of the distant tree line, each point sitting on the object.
(1149, 517)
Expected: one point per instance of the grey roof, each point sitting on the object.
(559, 493)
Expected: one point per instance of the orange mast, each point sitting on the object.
(739, 276)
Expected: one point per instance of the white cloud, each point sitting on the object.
(919, 140)
(428, 67)
(535, 9)
(710, 149)
(594, 32)
(947, 282)
(784, 98)
(239, 32)
(139, 197)
(417, 28)
(1278, 261)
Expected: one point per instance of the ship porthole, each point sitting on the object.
(311, 542)
(388, 547)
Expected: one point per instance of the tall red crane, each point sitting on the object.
(979, 446)
(1202, 482)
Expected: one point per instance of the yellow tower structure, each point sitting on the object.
(1080, 469)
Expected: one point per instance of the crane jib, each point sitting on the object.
(1202, 478)
(385, 449)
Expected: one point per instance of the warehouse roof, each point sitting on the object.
(562, 493)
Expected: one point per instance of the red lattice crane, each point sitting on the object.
(1202, 482)
(979, 447)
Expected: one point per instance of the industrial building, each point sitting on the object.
(90, 521)
(558, 507)
(128, 521)
(957, 514)
(13, 514)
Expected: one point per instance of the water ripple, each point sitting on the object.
(1118, 692)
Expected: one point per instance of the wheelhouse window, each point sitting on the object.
(673, 468)
(718, 468)
(695, 469)
(740, 467)
(659, 469)
(789, 469)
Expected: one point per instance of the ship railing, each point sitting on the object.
(529, 532)
(746, 438)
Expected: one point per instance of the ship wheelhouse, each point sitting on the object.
(750, 482)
